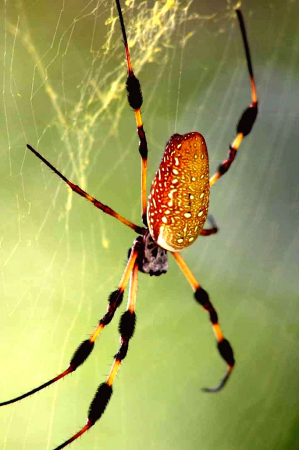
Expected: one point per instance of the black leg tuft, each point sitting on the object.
(81, 354)
(99, 402)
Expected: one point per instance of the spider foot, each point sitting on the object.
(221, 384)
(227, 354)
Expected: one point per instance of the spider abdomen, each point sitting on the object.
(179, 196)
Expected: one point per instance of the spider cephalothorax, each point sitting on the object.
(153, 258)
(176, 212)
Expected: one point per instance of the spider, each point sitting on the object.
(173, 217)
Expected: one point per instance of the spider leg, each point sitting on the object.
(249, 115)
(104, 391)
(135, 101)
(86, 347)
(97, 203)
(209, 231)
(202, 297)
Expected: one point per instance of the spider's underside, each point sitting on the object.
(173, 218)
(153, 259)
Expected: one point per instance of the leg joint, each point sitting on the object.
(122, 351)
(226, 352)
(134, 92)
(127, 325)
(202, 297)
(247, 120)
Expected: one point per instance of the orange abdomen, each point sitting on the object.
(179, 197)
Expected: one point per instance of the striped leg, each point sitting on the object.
(248, 117)
(104, 391)
(202, 297)
(106, 209)
(135, 101)
(86, 347)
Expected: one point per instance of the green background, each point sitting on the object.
(60, 258)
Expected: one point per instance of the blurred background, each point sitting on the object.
(63, 74)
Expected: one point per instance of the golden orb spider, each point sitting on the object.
(173, 216)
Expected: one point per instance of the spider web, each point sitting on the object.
(63, 92)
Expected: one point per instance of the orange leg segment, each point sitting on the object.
(202, 297)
